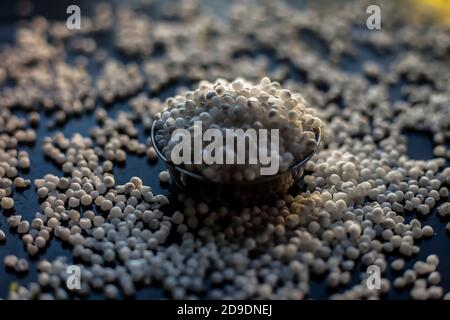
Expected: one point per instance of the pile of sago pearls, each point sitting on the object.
(239, 105)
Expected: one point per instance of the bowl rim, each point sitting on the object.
(255, 181)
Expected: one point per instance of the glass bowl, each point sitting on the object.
(260, 190)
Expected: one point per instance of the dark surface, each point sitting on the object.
(26, 202)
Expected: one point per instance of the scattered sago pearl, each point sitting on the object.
(7, 203)
(14, 221)
(74, 202)
(85, 223)
(40, 242)
(151, 153)
(21, 266)
(433, 259)
(164, 176)
(106, 205)
(86, 200)
(177, 217)
(109, 181)
(10, 261)
(23, 227)
(434, 278)
(121, 156)
(398, 264)
(427, 231)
